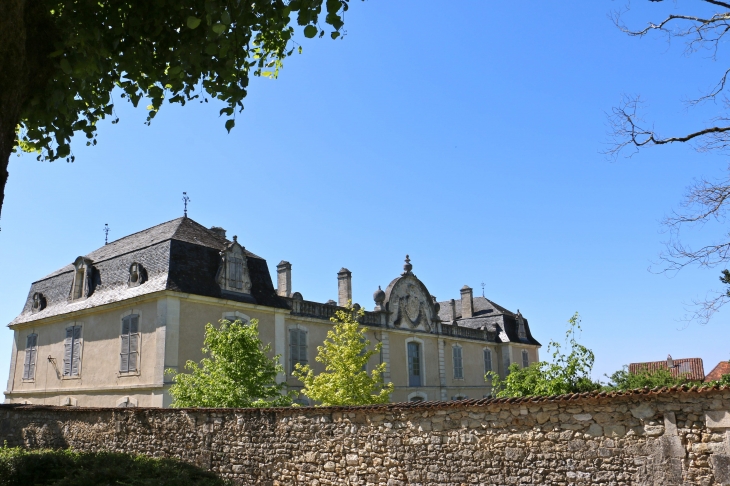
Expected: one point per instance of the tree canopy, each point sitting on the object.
(238, 372)
(62, 61)
(569, 373)
(345, 354)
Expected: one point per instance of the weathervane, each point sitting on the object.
(483, 289)
(186, 200)
(106, 234)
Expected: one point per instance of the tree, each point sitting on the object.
(61, 60)
(625, 380)
(237, 374)
(565, 374)
(706, 200)
(345, 354)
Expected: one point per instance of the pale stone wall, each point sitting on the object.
(672, 437)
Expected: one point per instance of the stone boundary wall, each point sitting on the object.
(661, 437)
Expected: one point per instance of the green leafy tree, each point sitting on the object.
(623, 379)
(61, 60)
(345, 354)
(569, 373)
(238, 372)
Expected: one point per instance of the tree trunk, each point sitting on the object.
(27, 36)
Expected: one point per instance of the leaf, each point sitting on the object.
(66, 66)
(230, 124)
(193, 22)
(219, 28)
(226, 18)
(300, 49)
(335, 35)
(310, 31)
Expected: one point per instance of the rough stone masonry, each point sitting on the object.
(676, 436)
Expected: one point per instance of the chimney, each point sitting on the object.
(283, 279)
(467, 304)
(452, 306)
(344, 287)
(218, 231)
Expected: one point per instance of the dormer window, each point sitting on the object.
(233, 271)
(39, 302)
(137, 275)
(521, 331)
(81, 287)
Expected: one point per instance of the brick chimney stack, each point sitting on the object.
(344, 287)
(283, 279)
(467, 302)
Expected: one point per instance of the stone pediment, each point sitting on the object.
(409, 304)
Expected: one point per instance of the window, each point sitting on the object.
(72, 351)
(525, 359)
(487, 360)
(39, 302)
(458, 363)
(129, 355)
(297, 348)
(414, 364)
(506, 361)
(235, 272)
(31, 353)
(81, 287)
(137, 275)
(416, 397)
(233, 316)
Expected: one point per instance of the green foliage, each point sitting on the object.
(237, 374)
(624, 380)
(569, 373)
(174, 50)
(20, 467)
(345, 354)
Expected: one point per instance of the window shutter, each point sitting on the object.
(525, 359)
(67, 348)
(33, 355)
(458, 364)
(26, 364)
(76, 361)
(133, 351)
(125, 325)
(487, 360)
(124, 355)
(134, 325)
(303, 347)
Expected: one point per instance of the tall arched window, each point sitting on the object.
(31, 353)
(414, 364)
(487, 360)
(525, 358)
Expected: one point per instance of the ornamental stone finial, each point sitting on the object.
(407, 267)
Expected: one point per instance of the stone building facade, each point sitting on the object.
(103, 330)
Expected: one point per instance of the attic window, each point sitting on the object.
(233, 270)
(81, 287)
(39, 302)
(137, 275)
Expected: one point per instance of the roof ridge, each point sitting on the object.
(146, 229)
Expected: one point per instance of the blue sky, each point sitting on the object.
(469, 138)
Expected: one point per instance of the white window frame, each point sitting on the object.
(138, 337)
(291, 362)
(30, 360)
(75, 354)
(454, 347)
(491, 359)
(422, 360)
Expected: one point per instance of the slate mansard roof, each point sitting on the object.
(490, 316)
(179, 255)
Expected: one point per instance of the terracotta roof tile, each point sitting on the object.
(689, 368)
(722, 368)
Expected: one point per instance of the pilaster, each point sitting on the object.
(442, 370)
